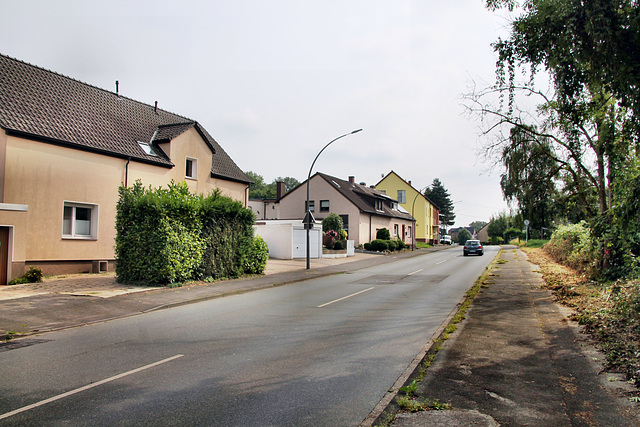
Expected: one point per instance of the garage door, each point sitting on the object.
(300, 243)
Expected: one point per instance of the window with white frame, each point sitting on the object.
(191, 170)
(402, 196)
(80, 221)
(395, 229)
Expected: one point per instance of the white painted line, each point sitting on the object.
(343, 298)
(87, 387)
(438, 263)
(417, 271)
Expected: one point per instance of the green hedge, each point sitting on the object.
(171, 235)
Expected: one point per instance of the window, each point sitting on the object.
(147, 148)
(191, 168)
(324, 206)
(312, 206)
(402, 196)
(345, 222)
(379, 204)
(395, 229)
(80, 221)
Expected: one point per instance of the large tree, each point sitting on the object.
(261, 190)
(590, 117)
(439, 195)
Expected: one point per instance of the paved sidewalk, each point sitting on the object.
(518, 361)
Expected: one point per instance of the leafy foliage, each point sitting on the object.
(170, 235)
(333, 221)
(261, 190)
(383, 234)
(463, 236)
(258, 256)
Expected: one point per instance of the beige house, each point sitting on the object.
(66, 147)
(364, 210)
(413, 201)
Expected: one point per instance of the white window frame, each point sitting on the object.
(402, 196)
(73, 233)
(194, 168)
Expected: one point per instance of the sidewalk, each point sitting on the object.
(517, 360)
(68, 301)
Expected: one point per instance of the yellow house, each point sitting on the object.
(66, 147)
(413, 201)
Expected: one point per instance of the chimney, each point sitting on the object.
(281, 188)
(409, 183)
(352, 179)
(117, 84)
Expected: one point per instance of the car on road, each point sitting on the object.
(446, 240)
(473, 247)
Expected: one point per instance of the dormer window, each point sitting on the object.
(379, 204)
(191, 169)
(147, 148)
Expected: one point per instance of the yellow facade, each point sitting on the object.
(426, 226)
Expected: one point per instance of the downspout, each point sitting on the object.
(126, 172)
(370, 224)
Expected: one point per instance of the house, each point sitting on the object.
(364, 210)
(423, 210)
(65, 149)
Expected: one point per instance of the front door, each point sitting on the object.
(4, 255)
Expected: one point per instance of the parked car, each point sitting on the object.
(473, 247)
(445, 240)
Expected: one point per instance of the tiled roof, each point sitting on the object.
(360, 195)
(40, 104)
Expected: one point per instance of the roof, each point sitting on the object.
(39, 104)
(358, 195)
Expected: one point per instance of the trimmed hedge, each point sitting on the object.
(171, 235)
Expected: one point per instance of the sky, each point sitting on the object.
(273, 81)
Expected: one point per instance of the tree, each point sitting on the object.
(261, 190)
(529, 179)
(440, 196)
(333, 221)
(478, 225)
(463, 236)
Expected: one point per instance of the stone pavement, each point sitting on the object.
(517, 360)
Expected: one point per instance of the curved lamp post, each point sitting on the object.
(413, 205)
(308, 219)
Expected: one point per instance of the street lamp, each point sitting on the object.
(413, 205)
(308, 219)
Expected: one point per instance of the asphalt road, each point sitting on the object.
(316, 353)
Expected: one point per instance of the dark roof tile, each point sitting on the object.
(41, 104)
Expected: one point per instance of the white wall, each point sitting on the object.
(287, 239)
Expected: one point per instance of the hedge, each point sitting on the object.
(171, 235)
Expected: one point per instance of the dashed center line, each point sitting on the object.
(87, 387)
(438, 263)
(343, 298)
(417, 271)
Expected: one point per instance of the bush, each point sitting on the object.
(401, 245)
(333, 222)
(33, 275)
(368, 246)
(170, 235)
(338, 245)
(392, 244)
(571, 245)
(256, 262)
(379, 245)
(383, 234)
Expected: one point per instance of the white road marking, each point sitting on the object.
(417, 271)
(87, 387)
(438, 263)
(343, 298)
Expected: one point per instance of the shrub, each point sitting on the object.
(256, 262)
(383, 234)
(368, 246)
(401, 245)
(333, 222)
(571, 245)
(379, 245)
(392, 244)
(33, 275)
(338, 245)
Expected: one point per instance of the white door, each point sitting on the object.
(300, 243)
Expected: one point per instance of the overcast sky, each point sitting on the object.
(275, 80)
